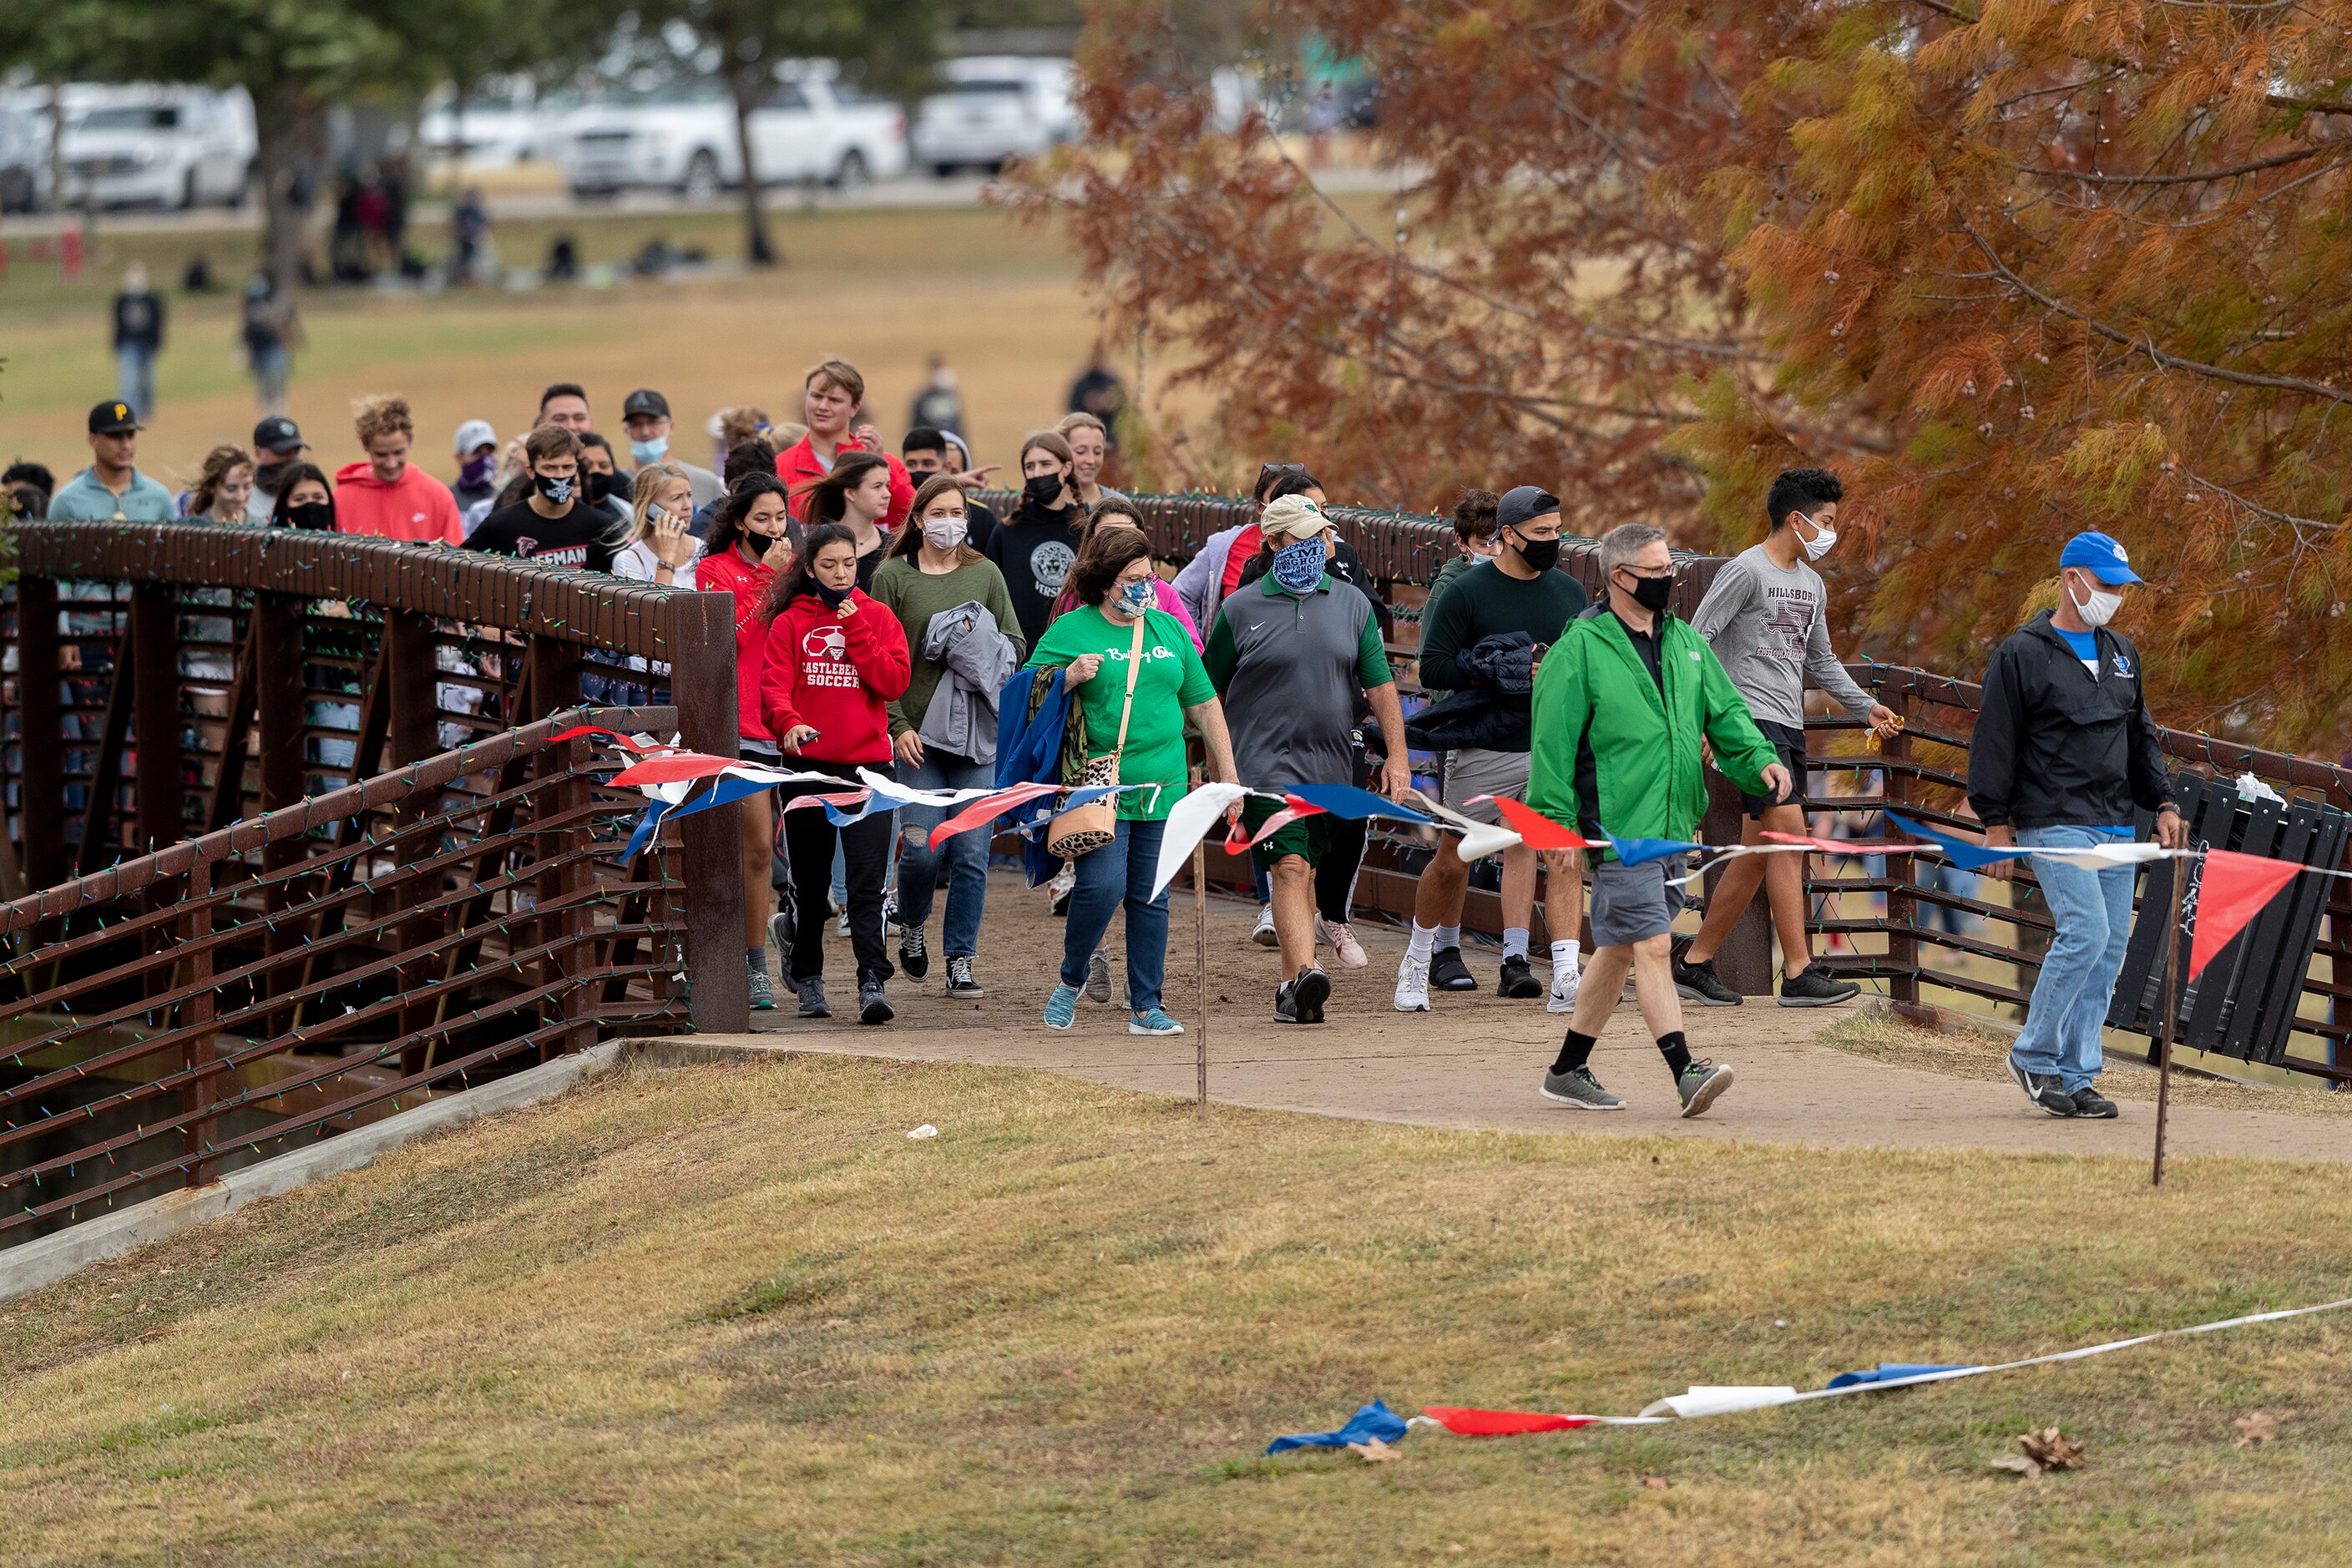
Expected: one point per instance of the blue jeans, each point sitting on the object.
(2093, 912)
(1120, 872)
(135, 379)
(966, 854)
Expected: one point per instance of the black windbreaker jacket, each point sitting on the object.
(2054, 746)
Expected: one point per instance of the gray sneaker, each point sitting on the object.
(1098, 977)
(812, 994)
(764, 995)
(1578, 1088)
(1701, 1085)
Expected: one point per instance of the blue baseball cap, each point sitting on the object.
(2101, 556)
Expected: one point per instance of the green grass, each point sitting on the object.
(735, 1315)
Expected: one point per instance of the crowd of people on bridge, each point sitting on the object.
(882, 612)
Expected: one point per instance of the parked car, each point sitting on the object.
(20, 163)
(811, 126)
(161, 146)
(506, 121)
(994, 108)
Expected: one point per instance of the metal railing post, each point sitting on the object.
(1902, 908)
(41, 736)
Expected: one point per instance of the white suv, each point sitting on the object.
(683, 139)
(164, 146)
(994, 108)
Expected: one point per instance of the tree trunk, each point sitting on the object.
(759, 250)
(287, 129)
(56, 144)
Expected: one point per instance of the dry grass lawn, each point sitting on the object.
(734, 1315)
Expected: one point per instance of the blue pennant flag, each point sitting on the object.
(1638, 851)
(1374, 1420)
(1893, 1371)
(1968, 856)
(1350, 804)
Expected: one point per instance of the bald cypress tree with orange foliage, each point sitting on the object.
(2013, 268)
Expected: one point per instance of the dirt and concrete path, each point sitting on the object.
(1476, 1061)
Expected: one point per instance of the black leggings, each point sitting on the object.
(1335, 874)
(809, 838)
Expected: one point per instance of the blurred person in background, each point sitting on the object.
(1089, 445)
(223, 488)
(938, 403)
(27, 487)
(661, 544)
(276, 446)
(138, 338)
(112, 490)
(1099, 392)
(269, 333)
(469, 233)
(644, 416)
(477, 465)
(388, 496)
(305, 500)
(831, 395)
(730, 428)
(601, 478)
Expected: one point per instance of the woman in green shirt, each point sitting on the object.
(930, 568)
(1113, 576)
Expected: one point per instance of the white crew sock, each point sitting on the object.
(1422, 943)
(1563, 957)
(1448, 936)
(1515, 942)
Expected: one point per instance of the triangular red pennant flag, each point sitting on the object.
(1537, 830)
(2232, 891)
(1500, 1423)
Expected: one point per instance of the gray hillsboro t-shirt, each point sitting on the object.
(1766, 627)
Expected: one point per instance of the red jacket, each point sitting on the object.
(725, 572)
(798, 466)
(837, 675)
(418, 510)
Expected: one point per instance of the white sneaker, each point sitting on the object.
(1341, 939)
(1565, 978)
(1413, 985)
(1264, 935)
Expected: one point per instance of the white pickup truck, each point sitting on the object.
(812, 127)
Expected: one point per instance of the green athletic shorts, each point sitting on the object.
(1309, 837)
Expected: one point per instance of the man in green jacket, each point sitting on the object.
(1622, 704)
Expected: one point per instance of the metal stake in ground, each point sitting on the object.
(2170, 1004)
(1201, 976)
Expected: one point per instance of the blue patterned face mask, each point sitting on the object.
(1137, 598)
(1298, 567)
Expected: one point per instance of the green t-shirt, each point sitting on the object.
(1171, 681)
(915, 597)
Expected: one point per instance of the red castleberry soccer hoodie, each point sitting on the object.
(836, 674)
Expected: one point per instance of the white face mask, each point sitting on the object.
(1825, 538)
(944, 532)
(2100, 610)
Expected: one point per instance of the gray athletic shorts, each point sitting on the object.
(1635, 903)
(1470, 771)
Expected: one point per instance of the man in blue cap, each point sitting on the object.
(2064, 750)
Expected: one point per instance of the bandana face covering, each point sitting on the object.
(1299, 567)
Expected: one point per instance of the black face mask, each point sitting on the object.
(315, 514)
(602, 486)
(555, 492)
(1042, 490)
(267, 480)
(1652, 593)
(1540, 554)
(833, 597)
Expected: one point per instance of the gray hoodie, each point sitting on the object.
(978, 659)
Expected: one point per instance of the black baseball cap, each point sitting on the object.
(644, 400)
(112, 418)
(1522, 504)
(278, 434)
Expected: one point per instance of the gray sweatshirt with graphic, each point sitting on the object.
(1766, 627)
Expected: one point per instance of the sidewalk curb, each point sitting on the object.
(53, 1257)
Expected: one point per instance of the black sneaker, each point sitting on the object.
(1699, 983)
(2090, 1102)
(871, 1008)
(812, 994)
(1448, 973)
(1286, 1003)
(913, 956)
(1309, 991)
(2043, 1091)
(1816, 987)
(1519, 980)
(959, 980)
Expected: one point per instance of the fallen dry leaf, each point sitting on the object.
(1655, 1483)
(1372, 1451)
(2260, 1427)
(2018, 1462)
(2052, 1450)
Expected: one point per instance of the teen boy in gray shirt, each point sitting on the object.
(1763, 617)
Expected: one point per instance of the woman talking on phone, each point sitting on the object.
(661, 517)
(835, 660)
